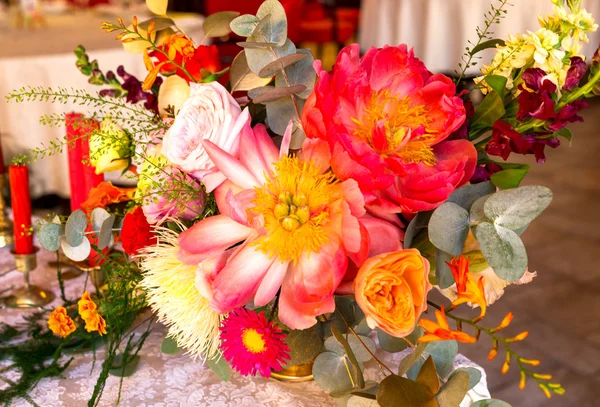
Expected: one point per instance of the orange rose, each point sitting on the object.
(391, 289)
(60, 323)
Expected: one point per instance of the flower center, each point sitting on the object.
(253, 341)
(294, 207)
(394, 126)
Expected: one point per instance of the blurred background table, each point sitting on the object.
(44, 57)
(440, 29)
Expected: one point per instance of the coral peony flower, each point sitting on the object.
(441, 331)
(210, 113)
(251, 344)
(60, 323)
(391, 289)
(172, 295)
(88, 311)
(297, 225)
(106, 194)
(386, 119)
(136, 232)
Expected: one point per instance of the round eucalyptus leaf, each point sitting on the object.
(474, 375)
(477, 214)
(49, 236)
(362, 355)
(516, 208)
(75, 227)
(244, 25)
(300, 73)
(76, 253)
(220, 368)
(454, 390)
(466, 196)
(503, 249)
(169, 346)
(260, 57)
(449, 228)
(490, 403)
(273, 26)
(443, 354)
(330, 372)
(443, 274)
(218, 24)
(105, 235)
(99, 215)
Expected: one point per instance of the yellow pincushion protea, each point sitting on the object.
(173, 296)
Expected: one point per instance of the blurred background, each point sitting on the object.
(560, 309)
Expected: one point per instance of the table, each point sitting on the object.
(174, 380)
(439, 29)
(44, 57)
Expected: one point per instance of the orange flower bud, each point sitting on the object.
(493, 353)
(505, 322)
(522, 381)
(519, 337)
(134, 23)
(531, 362)
(545, 390)
(505, 367)
(542, 376)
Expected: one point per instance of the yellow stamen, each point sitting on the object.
(293, 205)
(253, 341)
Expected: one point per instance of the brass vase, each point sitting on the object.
(294, 374)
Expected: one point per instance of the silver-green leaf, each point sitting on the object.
(244, 25)
(105, 233)
(449, 228)
(217, 24)
(300, 73)
(275, 28)
(503, 250)
(76, 253)
(75, 228)
(516, 208)
(49, 236)
(362, 355)
(330, 372)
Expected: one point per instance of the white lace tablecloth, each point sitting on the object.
(170, 380)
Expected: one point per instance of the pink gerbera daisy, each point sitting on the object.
(251, 344)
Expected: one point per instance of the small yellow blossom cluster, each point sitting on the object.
(61, 324)
(549, 48)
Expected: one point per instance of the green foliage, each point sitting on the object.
(490, 403)
(410, 359)
(454, 390)
(517, 207)
(449, 227)
(474, 375)
(305, 345)
(49, 236)
(122, 367)
(220, 368)
(362, 348)
(488, 112)
(486, 45)
(497, 83)
(75, 228)
(443, 354)
(443, 275)
(392, 344)
(76, 253)
(169, 346)
(503, 249)
(217, 24)
(466, 196)
(397, 391)
(511, 178)
(331, 372)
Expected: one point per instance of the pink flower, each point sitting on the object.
(284, 223)
(251, 344)
(210, 113)
(386, 119)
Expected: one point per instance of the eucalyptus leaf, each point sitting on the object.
(362, 355)
(99, 215)
(476, 214)
(217, 24)
(75, 228)
(158, 6)
(105, 235)
(260, 56)
(503, 250)
(515, 208)
(395, 391)
(490, 403)
(241, 76)
(276, 29)
(49, 236)
(356, 369)
(411, 358)
(466, 196)
(449, 228)
(278, 65)
(160, 23)
(76, 253)
(244, 25)
(220, 368)
(392, 344)
(454, 390)
(477, 261)
(117, 369)
(410, 232)
(443, 274)
(169, 346)
(256, 45)
(428, 376)
(330, 372)
(474, 375)
(443, 354)
(267, 94)
(300, 73)
(279, 113)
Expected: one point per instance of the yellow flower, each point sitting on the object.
(173, 92)
(60, 323)
(109, 148)
(391, 289)
(97, 323)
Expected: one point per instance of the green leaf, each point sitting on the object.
(362, 355)
(169, 346)
(503, 250)
(217, 24)
(300, 73)
(304, 345)
(490, 403)
(477, 262)
(428, 376)
(330, 372)
(280, 112)
(267, 94)
(129, 369)
(262, 56)
(278, 65)
(566, 133)
(76, 253)
(474, 375)
(160, 23)
(410, 359)
(497, 83)
(49, 236)
(241, 76)
(392, 344)
(158, 6)
(99, 215)
(467, 195)
(454, 390)
(488, 112)
(443, 274)
(356, 367)
(507, 179)
(244, 25)
(395, 391)
(449, 227)
(443, 354)
(275, 27)
(486, 45)
(515, 208)
(105, 235)
(476, 213)
(75, 227)
(220, 368)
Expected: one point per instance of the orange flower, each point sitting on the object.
(441, 331)
(105, 194)
(391, 289)
(468, 290)
(88, 310)
(60, 323)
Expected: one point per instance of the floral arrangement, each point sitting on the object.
(285, 215)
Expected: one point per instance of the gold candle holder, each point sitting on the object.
(6, 226)
(28, 296)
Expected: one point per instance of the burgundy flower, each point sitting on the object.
(575, 73)
(569, 114)
(484, 172)
(505, 140)
(535, 99)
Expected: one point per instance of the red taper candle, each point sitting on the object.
(21, 206)
(81, 175)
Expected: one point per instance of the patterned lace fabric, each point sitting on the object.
(170, 380)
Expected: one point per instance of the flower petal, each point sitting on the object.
(271, 283)
(230, 167)
(287, 139)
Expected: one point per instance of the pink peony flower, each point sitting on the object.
(210, 113)
(386, 119)
(285, 223)
(253, 345)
